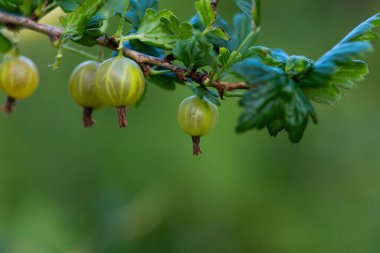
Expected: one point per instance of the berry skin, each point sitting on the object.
(119, 83)
(18, 79)
(82, 90)
(197, 117)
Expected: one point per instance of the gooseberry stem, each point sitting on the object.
(158, 72)
(88, 121)
(122, 115)
(8, 108)
(120, 28)
(80, 52)
(196, 145)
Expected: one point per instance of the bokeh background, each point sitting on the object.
(67, 189)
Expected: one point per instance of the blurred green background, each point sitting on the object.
(67, 189)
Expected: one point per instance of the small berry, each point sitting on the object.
(197, 117)
(119, 83)
(18, 79)
(82, 90)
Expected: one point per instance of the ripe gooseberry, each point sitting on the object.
(18, 79)
(197, 117)
(82, 90)
(119, 83)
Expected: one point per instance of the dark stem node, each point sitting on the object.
(88, 121)
(122, 114)
(8, 108)
(196, 145)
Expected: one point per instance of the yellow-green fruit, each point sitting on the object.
(18, 77)
(119, 82)
(82, 85)
(82, 90)
(197, 117)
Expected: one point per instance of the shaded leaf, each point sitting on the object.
(75, 22)
(204, 92)
(274, 58)
(242, 28)
(113, 7)
(189, 53)
(253, 72)
(166, 81)
(137, 10)
(276, 106)
(326, 94)
(5, 44)
(210, 56)
(251, 8)
(214, 39)
(162, 29)
(69, 5)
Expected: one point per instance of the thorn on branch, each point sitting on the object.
(180, 73)
(221, 89)
(169, 58)
(199, 77)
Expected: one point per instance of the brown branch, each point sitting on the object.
(222, 87)
(12, 21)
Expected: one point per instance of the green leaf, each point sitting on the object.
(16, 2)
(340, 66)
(203, 92)
(205, 13)
(137, 9)
(224, 55)
(253, 72)
(297, 112)
(326, 94)
(75, 22)
(242, 28)
(5, 44)
(219, 23)
(277, 106)
(210, 55)
(162, 29)
(189, 53)
(8, 6)
(166, 82)
(112, 7)
(95, 28)
(345, 53)
(274, 58)
(220, 33)
(346, 76)
(251, 8)
(363, 32)
(69, 5)
(329, 64)
(275, 126)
